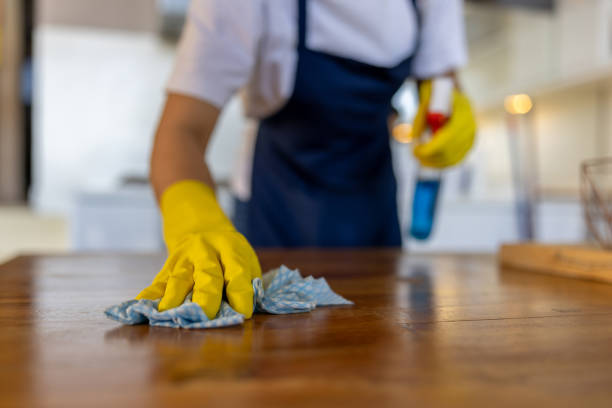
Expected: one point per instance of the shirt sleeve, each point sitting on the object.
(442, 44)
(217, 49)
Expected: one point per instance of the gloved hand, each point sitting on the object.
(205, 253)
(453, 141)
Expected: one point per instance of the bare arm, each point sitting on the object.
(452, 74)
(180, 142)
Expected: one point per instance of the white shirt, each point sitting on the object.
(251, 46)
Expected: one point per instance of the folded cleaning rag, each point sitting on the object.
(279, 291)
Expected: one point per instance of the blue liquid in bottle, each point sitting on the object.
(428, 181)
(424, 206)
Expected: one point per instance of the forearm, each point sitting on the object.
(177, 155)
(452, 74)
(180, 143)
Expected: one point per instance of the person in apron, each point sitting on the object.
(321, 174)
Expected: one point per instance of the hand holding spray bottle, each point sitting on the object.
(428, 180)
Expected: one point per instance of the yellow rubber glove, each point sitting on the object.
(205, 254)
(453, 141)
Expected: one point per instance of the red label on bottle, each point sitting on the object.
(435, 121)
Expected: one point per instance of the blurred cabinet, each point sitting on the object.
(12, 144)
(522, 50)
(125, 219)
(481, 227)
(122, 219)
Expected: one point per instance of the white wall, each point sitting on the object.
(98, 94)
(565, 131)
(98, 98)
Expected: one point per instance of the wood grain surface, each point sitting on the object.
(424, 331)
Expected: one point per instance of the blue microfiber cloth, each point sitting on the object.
(279, 291)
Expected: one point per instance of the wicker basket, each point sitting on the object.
(596, 192)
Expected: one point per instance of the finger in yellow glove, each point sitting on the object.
(451, 143)
(205, 254)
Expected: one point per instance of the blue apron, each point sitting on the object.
(322, 172)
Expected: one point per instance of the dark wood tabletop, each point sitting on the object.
(424, 331)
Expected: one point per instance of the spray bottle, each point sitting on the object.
(428, 180)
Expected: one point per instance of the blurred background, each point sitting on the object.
(82, 84)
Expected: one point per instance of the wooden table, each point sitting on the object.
(436, 330)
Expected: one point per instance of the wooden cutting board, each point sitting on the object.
(572, 261)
